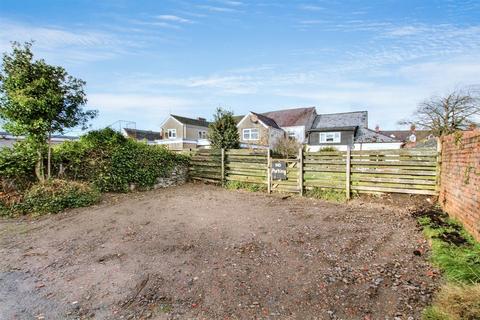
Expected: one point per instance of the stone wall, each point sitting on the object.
(460, 178)
(178, 177)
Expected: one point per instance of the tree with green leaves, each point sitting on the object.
(223, 132)
(38, 100)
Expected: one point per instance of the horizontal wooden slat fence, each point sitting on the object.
(412, 171)
(246, 165)
(206, 165)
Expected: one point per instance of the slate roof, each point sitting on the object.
(268, 121)
(142, 134)
(404, 135)
(291, 117)
(345, 119)
(190, 121)
(365, 135)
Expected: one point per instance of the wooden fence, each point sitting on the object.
(412, 171)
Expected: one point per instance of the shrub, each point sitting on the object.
(17, 167)
(327, 194)
(113, 162)
(53, 196)
(287, 147)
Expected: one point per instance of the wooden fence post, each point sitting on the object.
(223, 167)
(300, 170)
(347, 173)
(269, 173)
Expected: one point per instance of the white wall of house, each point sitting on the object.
(297, 132)
(360, 146)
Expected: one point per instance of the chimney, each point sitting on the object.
(201, 119)
(377, 128)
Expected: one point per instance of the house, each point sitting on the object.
(150, 137)
(182, 133)
(258, 131)
(412, 138)
(264, 129)
(8, 140)
(340, 130)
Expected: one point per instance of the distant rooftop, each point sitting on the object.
(344, 119)
(291, 117)
(142, 134)
(266, 120)
(194, 122)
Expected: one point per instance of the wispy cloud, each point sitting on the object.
(310, 7)
(173, 18)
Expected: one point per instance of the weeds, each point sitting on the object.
(327, 194)
(457, 255)
(252, 187)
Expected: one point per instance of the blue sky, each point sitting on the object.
(145, 59)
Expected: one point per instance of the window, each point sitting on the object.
(291, 134)
(172, 133)
(202, 134)
(330, 137)
(250, 134)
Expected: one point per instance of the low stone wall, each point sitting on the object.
(178, 177)
(460, 179)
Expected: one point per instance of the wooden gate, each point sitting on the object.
(291, 179)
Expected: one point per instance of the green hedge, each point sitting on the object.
(113, 162)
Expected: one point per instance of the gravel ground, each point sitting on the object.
(202, 252)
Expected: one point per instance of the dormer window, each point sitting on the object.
(330, 137)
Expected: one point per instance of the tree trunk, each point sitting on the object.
(49, 156)
(39, 167)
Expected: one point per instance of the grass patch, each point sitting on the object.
(457, 255)
(332, 195)
(238, 185)
(455, 302)
(454, 251)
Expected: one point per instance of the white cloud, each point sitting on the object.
(173, 18)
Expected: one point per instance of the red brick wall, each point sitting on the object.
(460, 179)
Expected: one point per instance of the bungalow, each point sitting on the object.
(182, 133)
(264, 129)
(411, 138)
(150, 137)
(340, 130)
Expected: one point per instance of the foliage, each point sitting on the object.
(457, 255)
(328, 149)
(287, 147)
(455, 302)
(113, 162)
(222, 132)
(17, 165)
(38, 99)
(52, 196)
(447, 114)
(253, 187)
(454, 251)
(327, 194)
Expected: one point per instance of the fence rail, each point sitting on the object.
(391, 171)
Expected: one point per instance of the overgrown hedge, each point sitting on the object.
(104, 159)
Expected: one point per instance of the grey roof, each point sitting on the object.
(404, 135)
(291, 117)
(190, 121)
(365, 135)
(142, 134)
(345, 119)
(324, 129)
(268, 121)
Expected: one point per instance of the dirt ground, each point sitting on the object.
(202, 252)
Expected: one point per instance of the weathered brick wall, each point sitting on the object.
(460, 178)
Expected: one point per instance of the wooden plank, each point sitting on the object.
(394, 190)
(223, 167)
(245, 179)
(247, 152)
(413, 152)
(393, 171)
(394, 163)
(394, 185)
(394, 180)
(347, 170)
(269, 172)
